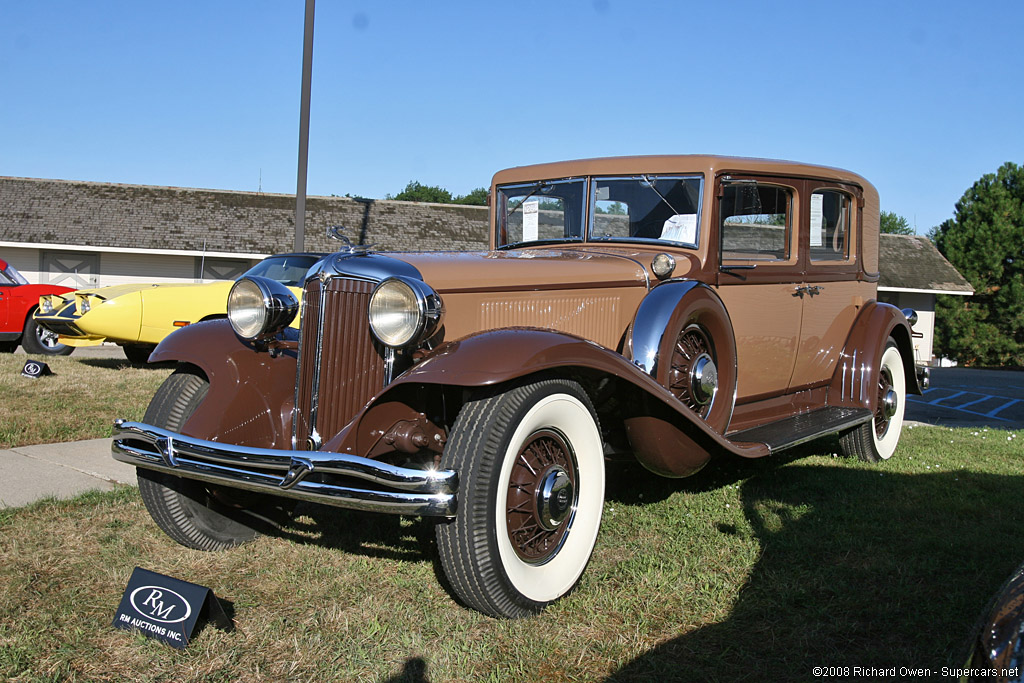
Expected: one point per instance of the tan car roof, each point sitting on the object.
(678, 163)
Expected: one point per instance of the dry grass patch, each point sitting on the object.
(79, 401)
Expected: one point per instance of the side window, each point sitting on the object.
(830, 225)
(755, 221)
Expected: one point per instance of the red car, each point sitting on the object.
(18, 300)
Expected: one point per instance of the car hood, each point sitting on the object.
(526, 269)
(120, 290)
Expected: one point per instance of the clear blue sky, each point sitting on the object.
(922, 98)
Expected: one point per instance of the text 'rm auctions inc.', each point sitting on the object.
(911, 672)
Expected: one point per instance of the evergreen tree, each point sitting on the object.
(985, 241)
(895, 224)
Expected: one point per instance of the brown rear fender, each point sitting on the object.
(857, 370)
(252, 394)
(665, 435)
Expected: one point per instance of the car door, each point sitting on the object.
(759, 272)
(831, 292)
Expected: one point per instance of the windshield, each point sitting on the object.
(289, 269)
(546, 211)
(11, 276)
(646, 207)
(622, 209)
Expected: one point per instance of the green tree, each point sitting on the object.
(895, 224)
(477, 197)
(985, 241)
(417, 192)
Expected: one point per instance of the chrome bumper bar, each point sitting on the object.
(397, 490)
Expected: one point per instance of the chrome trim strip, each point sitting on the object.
(314, 400)
(287, 473)
(863, 378)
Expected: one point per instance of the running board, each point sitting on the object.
(799, 429)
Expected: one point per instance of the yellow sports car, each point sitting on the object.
(139, 316)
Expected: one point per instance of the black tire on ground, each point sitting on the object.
(876, 440)
(531, 492)
(8, 346)
(138, 353)
(36, 339)
(195, 514)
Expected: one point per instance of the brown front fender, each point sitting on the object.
(252, 394)
(665, 436)
(857, 370)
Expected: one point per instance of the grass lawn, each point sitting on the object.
(79, 401)
(751, 570)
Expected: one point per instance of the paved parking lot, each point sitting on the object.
(965, 397)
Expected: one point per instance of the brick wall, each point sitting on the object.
(35, 211)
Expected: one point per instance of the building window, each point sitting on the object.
(70, 269)
(208, 268)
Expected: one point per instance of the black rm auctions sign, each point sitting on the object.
(166, 608)
(34, 369)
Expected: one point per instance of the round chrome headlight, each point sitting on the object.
(404, 312)
(259, 307)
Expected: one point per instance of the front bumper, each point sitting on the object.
(332, 478)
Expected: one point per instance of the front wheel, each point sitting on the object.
(36, 339)
(531, 470)
(190, 512)
(876, 440)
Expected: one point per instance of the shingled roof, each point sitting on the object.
(97, 216)
(911, 263)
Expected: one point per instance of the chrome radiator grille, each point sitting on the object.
(340, 366)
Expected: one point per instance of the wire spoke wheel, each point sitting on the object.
(877, 439)
(693, 377)
(530, 460)
(541, 496)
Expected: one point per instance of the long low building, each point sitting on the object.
(84, 234)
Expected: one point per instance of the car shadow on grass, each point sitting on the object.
(859, 567)
(368, 534)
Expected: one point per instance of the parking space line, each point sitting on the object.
(984, 397)
(1002, 407)
(944, 398)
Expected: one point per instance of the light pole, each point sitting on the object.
(307, 78)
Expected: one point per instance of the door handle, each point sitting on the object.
(810, 290)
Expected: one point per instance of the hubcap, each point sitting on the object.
(46, 337)
(554, 498)
(704, 379)
(890, 404)
(541, 496)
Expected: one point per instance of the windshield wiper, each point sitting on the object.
(539, 186)
(650, 184)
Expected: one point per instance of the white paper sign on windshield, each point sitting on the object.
(531, 220)
(681, 228)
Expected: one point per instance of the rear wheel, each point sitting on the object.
(531, 492)
(876, 440)
(138, 353)
(195, 514)
(37, 339)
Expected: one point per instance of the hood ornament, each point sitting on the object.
(338, 232)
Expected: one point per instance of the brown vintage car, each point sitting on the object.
(660, 309)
